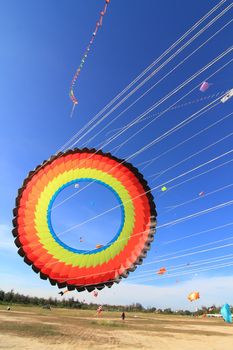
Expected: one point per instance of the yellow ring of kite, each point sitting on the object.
(56, 250)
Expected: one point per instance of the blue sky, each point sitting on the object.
(41, 46)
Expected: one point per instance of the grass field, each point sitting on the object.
(39, 329)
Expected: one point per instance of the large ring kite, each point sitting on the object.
(63, 265)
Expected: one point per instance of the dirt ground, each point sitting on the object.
(37, 329)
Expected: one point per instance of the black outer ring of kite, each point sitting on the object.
(140, 258)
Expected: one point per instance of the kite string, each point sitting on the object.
(99, 145)
(198, 233)
(175, 128)
(193, 155)
(161, 260)
(178, 106)
(184, 266)
(164, 99)
(169, 223)
(194, 215)
(203, 173)
(140, 233)
(133, 154)
(214, 267)
(129, 125)
(60, 203)
(170, 256)
(212, 102)
(157, 140)
(117, 206)
(155, 177)
(158, 69)
(171, 208)
(103, 214)
(153, 86)
(59, 155)
(144, 72)
(164, 54)
(186, 140)
(218, 266)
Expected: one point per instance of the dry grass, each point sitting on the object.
(63, 329)
(38, 330)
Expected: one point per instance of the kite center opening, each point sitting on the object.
(85, 215)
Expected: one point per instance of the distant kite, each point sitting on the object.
(204, 86)
(63, 292)
(193, 296)
(164, 188)
(226, 313)
(162, 271)
(226, 97)
(98, 246)
(202, 193)
(77, 73)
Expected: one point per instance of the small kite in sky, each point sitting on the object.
(164, 188)
(226, 97)
(204, 86)
(95, 293)
(63, 292)
(193, 296)
(201, 193)
(162, 271)
(99, 246)
(76, 186)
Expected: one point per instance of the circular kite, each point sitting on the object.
(42, 248)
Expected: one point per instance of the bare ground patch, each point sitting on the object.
(38, 329)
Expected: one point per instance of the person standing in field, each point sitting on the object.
(123, 316)
(99, 311)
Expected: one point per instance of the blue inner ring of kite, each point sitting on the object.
(79, 251)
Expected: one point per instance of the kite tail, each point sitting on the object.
(72, 111)
(76, 75)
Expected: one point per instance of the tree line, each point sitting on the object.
(11, 297)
